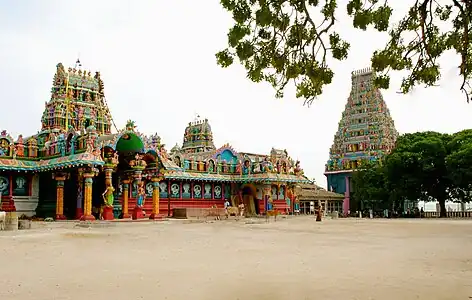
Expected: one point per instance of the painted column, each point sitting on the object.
(87, 216)
(125, 195)
(80, 194)
(60, 178)
(346, 203)
(108, 174)
(267, 197)
(155, 198)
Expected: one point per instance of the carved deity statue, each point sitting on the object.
(238, 167)
(108, 197)
(20, 146)
(114, 159)
(298, 170)
(141, 195)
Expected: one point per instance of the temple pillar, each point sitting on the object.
(80, 194)
(108, 169)
(87, 216)
(346, 203)
(125, 195)
(155, 199)
(267, 194)
(60, 178)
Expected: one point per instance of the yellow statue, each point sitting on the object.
(108, 196)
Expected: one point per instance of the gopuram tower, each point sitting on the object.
(366, 132)
(77, 102)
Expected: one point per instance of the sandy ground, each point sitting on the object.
(294, 258)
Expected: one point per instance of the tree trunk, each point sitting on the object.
(442, 206)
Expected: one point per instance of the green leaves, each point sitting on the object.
(427, 166)
(280, 41)
(224, 58)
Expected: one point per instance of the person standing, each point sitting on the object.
(226, 208)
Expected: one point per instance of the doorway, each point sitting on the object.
(250, 201)
(98, 187)
(70, 195)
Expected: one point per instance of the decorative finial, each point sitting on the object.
(78, 64)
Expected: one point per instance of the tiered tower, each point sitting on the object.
(77, 101)
(198, 137)
(366, 132)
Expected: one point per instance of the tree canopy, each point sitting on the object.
(427, 166)
(282, 41)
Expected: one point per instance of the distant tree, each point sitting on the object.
(417, 167)
(282, 41)
(459, 165)
(371, 187)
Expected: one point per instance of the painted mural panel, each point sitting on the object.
(163, 189)
(175, 190)
(207, 193)
(197, 191)
(186, 190)
(274, 193)
(20, 186)
(134, 189)
(4, 185)
(149, 188)
(217, 191)
(259, 193)
(282, 192)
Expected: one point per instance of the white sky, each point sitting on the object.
(158, 65)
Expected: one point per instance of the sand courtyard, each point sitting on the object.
(293, 258)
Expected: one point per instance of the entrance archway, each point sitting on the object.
(127, 145)
(251, 203)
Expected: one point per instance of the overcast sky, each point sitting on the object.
(157, 60)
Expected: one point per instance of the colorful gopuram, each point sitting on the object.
(76, 168)
(366, 132)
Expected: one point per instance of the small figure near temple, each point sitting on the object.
(141, 195)
(108, 198)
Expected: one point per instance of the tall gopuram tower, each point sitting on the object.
(366, 132)
(77, 101)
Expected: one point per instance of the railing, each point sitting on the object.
(449, 214)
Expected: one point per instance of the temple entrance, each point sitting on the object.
(250, 201)
(70, 195)
(98, 187)
(128, 146)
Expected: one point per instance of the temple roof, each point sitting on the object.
(260, 177)
(313, 192)
(51, 164)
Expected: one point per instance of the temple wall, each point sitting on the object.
(27, 204)
(337, 181)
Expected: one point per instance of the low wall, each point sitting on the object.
(25, 205)
(449, 214)
(185, 213)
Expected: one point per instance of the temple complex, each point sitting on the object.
(76, 168)
(366, 132)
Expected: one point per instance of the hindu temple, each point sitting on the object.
(75, 165)
(366, 132)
